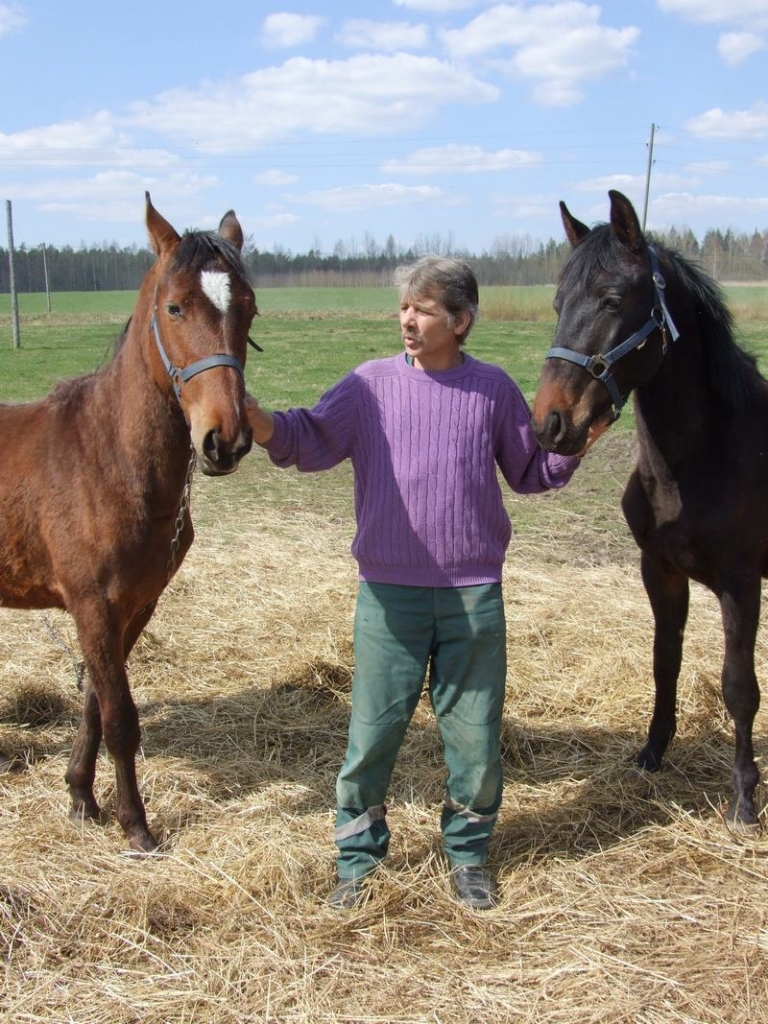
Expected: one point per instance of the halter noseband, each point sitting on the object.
(180, 375)
(599, 365)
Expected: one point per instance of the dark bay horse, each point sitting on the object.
(93, 477)
(636, 317)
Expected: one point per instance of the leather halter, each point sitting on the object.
(180, 375)
(599, 365)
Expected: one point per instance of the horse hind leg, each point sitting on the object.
(740, 609)
(81, 770)
(668, 593)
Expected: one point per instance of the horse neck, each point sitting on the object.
(673, 409)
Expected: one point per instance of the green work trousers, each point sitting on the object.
(459, 635)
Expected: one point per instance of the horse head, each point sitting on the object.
(201, 311)
(612, 328)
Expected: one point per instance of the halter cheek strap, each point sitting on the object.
(180, 375)
(599, 365)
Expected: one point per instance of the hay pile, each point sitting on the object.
(622, 899)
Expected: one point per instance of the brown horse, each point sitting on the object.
(93, 480)
(638, 317)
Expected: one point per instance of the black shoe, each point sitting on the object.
(475, 886)
(349, 893)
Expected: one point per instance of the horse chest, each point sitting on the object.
(654, 511)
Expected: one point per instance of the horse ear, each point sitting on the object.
(230, 229)
(162, 236)
(624, 222)
(574, 229)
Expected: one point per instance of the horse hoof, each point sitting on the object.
(740, 822)
(142, 843)
(86, 811)
(10, 764)
(648, 760)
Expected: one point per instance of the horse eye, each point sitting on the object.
(172, 309)
(611, 302)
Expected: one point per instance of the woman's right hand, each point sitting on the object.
(261, 422)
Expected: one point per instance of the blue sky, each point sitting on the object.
(326, 121)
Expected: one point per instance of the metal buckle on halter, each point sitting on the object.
(657, 315)
(598, 366)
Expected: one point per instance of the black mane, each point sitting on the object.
(731, 371)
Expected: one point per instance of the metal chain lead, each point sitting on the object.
(183, 509)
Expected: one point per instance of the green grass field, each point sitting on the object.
(310, 336)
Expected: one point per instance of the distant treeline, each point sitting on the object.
(727, 256)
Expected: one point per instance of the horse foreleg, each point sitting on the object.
(668, 593)
(740, 608)
(103, 645)
(81, 771)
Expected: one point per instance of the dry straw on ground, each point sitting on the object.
(622, 899)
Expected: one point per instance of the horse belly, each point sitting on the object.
(26, 577)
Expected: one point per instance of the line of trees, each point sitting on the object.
(513, 259)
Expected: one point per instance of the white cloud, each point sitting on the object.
(277, 220)
(285, 30)
(749, 17)
(436, 6)
(711, 168)
(456, 158)
(12, 19)
(522, 208)
(361, 34)
(678, 207)
(745, 13)
(735, 47)
(93, 141)
(275, 177)
(366, 197)
(365, 95)
(111, 195)
(634, 184)
(557, 46)
(736, 124)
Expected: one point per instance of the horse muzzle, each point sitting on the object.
(218, 457)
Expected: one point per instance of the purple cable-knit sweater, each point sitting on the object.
(424, 447)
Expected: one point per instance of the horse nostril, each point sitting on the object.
(555, 427)
(211, 446)
(244, 446)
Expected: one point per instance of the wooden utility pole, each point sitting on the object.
(47, 286)
(14, 296)
(648, 174)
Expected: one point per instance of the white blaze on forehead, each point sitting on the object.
(216, 286)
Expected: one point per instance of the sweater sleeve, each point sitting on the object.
(318, 438)
(526, 467)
